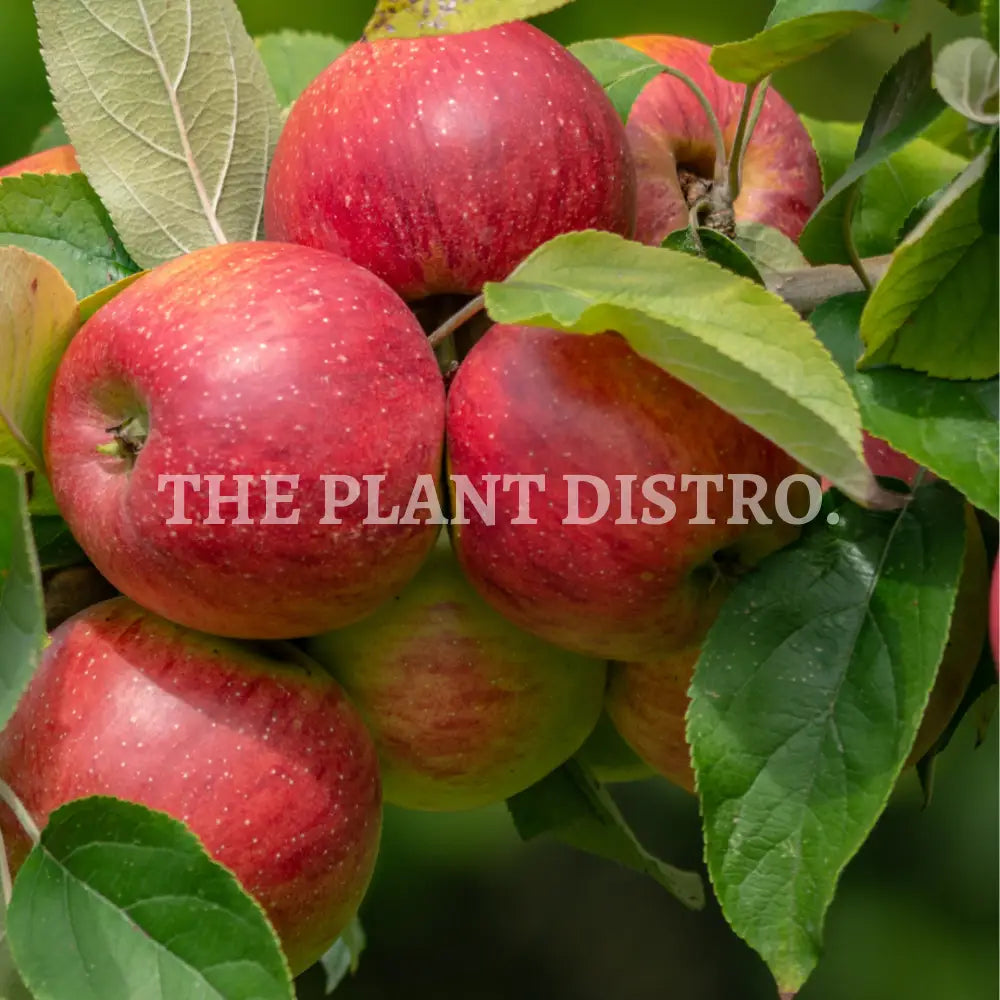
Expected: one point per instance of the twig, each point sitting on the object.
(809, 287)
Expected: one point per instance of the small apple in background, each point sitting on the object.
(532, 401)
(465, 709)
(673, 146)
(268, 763)
(648, 701)
(440, 163)
(609, 758)
(58, 160)
(247, 359)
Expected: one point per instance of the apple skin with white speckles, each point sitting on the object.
(249, 359)
(465, 708)
(268, 763)
(667, 129)
(533, 401)
(440, 163)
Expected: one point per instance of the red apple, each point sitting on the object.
(257, 359)
(441, 163)
(58, 160)
(267, 763)
(465, 708)
(531, 401)
(673, 146)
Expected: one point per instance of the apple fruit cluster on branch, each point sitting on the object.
(270, 674)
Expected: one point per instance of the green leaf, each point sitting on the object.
(962, 7)
(60, 218)
(120, 903)
(569, 805)
(725, 336)
(717, 248)
(53, 134)
(805, 703)
(990, 12)
(621, 70)
(769, 248)
(989, 200)
(55, 544)
(800, 28)
(22, 605)
(920, 416)
(936, 309)
(293, 59)
(173, 118)
(344, 955)
(413, 18)
(888, 192)
(967, 76)
(904, 105)
(37, 321)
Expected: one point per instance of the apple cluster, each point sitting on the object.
(268, 682)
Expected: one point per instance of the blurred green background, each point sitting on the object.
(461, 911)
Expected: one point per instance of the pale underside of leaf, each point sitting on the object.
(171, 114)
(414, 18)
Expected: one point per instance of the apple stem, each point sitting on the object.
(753, 103)
(452, 323)
(129, 437)
(847, 224)
(21, 814)
(713, 119)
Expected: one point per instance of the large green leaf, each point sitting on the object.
(22, 605)
(727, 337)
(293, 59)
(54, 543)
(37, 321)
(904, 105)
(936, 310)
(990, 12)
(888, 192)
(121, 903)
(768, 248)
(413, 18)
(805, 704)
(60, 218)
(171, 113)
(920, 416)
(800, 28)
(967, 75)
(570, 806)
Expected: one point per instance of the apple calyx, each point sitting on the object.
(129, 437)
(709, 201)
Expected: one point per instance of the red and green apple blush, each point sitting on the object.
(204, 427)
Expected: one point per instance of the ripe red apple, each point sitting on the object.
(441, 163)
(531, 401)
(58, 160)
(465, 708)
(268, 763)
(256, 359)
(648, 701)
(674, 147)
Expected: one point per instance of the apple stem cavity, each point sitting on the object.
(457, 320)
(129, 437)
(713, 119)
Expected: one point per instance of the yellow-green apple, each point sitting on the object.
(675, 152)
(648, 575)
(465, 708)
(440, 163)
(648, 701)
(58, 160)
(266, 761)
(609, 758)
(280, 364)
